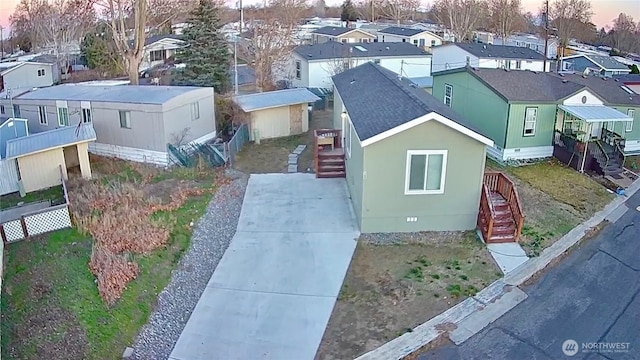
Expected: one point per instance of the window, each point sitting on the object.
(195, 111)
(344, 41)
(629, 125)
(158, 55)
(404, 40)
(86, 111)
(63, 113)
(376, 61)
(16, 111)
(422, 43)
(425, 172)
(433, 43)
(298, 70)
(42, 115)
(364, 40)
(448, 94)
(40, 72)
(125, 119)
(518, 65)
(1, 109)
(530, 116)
(415, 42)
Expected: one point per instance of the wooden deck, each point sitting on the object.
(329, 158)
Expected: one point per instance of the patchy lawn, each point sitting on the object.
(51, 307)
(53, 193)
(554, 198)
(271, 155)
(390, 289)
(632, 163)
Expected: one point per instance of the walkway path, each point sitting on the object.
(273, 292)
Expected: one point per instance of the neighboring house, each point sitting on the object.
(425, 82)
(246, 78)
(412, 164)
(484, 37)
(630, 81)
(131, 122)
(10, 129)
(278, 113)
(158, 49)
(417, 37)
(341, 35)
(593, 65)
(25, 75)
(313, 65)
(524, 112)
(532, 42)
(43, 158)
(485, 56)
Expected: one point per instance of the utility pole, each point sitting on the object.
(546, 34)
(1, 43)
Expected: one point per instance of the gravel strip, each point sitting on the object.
(210, 239)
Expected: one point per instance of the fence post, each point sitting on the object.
(3, 235)
(24, 227)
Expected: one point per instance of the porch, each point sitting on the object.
(591, 138)
(328, 155)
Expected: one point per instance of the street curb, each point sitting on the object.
(429, 331)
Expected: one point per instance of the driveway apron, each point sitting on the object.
(273, 292)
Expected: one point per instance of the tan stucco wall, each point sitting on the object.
(42, 170)
(276, 122)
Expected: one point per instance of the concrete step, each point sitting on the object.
(501, 238)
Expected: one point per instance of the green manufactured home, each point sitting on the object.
(525, 113)
(412, 164)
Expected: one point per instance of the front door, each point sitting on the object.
(295, 119)
(596, 130)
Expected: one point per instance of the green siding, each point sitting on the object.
(354, 162)
(545, 125)
(385, 207)
(338, 108)
(476, 103)
(634, 134)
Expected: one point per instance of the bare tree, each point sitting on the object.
(624, 33)
(505, 17)
(397, 10)
(567, 16)
(319, 8)
(271, 40)
(461, 16)
(339, 63)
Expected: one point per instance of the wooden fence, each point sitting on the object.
(38, 222)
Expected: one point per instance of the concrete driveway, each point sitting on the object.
(273, 292)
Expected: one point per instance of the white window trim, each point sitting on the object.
(62, 105)
(195, 111)
(534, 121)
(43, 115)
(629, 125)
(443, 175)
(86, 105)
(450, 97)
(298, 70)
(349, 137)
(127, 118)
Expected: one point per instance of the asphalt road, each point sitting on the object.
(589, 297)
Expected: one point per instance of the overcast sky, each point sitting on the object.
(604, 10)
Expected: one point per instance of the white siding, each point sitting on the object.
(536, 152)
(26, 76)
(170, 45)
(129, 153)
(9, 177)
(450, 57)
(577, 99)
(427, 37)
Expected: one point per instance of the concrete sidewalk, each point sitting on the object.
(273, 292)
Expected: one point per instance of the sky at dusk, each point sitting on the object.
(604, 10)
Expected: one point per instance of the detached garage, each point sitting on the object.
(277, 113)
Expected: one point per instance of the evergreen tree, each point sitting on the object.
(206, 53)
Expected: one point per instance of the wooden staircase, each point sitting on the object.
(500, 218)
(329, 161)
(609, 158)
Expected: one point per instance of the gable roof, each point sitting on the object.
(499, 51)
(603, 62)
(337, 50)
(273, 99)
(7, 67)
(334, 30)
(608, 89)
(401, 31)
(51, 139)
(155, 38)
(379, 103)
(628, 78)
(130, 94)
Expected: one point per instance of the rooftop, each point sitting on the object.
(130, 94)
(49, 140)
(333, 30)
(377, 100)
(401, 31)
(273, 99)
(499, 51)
(336, 50)
(155, 38)
(608, 89)
(605, 62)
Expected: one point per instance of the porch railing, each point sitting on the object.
(322, 134)
(565, 141)
(500, 183)
(486, 213)
(600, 154)
(618, 155)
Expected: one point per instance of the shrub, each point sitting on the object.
(113, 272)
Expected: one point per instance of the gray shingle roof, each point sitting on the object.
(401, 31)
(628, 78)
(500, 51)
(522, 85)
(378, 101)
(272, 99)
(336, 50)
(608, 89)
(607, 62)
(49, 140)
(332, 30)
(130, 94)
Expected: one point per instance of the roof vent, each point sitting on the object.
(564, 81)
(387, 48)
(352, 81)
(484, 46)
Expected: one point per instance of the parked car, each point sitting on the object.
(156, 71)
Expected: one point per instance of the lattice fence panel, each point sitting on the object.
(13, 230)
(51, 220)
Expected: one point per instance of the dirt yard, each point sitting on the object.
(52, 304)
(390, 289)
(271, 155)
(554, 198)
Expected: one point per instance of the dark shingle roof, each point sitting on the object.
(606, 62)
(628, 78)
(401, 31)
(500, 51)
(378, 101)
(608, 89)
(333, 50)
(332, 30)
